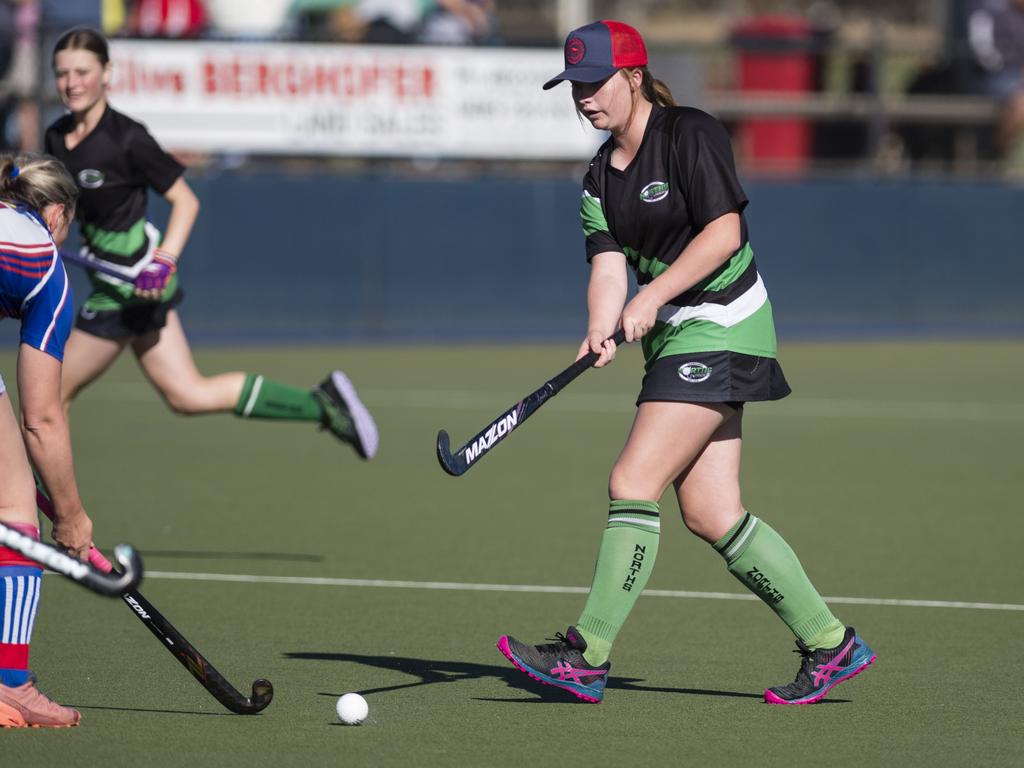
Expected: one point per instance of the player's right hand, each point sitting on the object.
(74, 534)
(152, 280)
(597, 342)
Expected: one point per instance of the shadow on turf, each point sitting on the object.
(433, 672)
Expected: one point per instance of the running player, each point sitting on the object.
(116, 161)
(37, 203)
(661, 197)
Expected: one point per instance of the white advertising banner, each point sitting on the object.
(285, 98)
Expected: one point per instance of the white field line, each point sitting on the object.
(493, 401)
(456, 586)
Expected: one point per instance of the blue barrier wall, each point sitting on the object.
(302, 259)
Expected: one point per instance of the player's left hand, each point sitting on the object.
(73, 533)
(638, 317)
(152, 280)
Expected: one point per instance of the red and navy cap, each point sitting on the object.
(597, 50)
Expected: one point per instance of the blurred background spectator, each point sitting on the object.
(996, 36)
(19, 65)
(460, 22)
(168, 18)
(337, 20)
(244, 19)
(390, 21)
(397, 22)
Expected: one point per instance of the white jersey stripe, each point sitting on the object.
(726, 315)
(56, 314)
(46, 278)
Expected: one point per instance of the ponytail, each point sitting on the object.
(656, 91)
(651, 89)
(37, 180)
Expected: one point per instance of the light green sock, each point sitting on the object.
(768, 567)
(262, 398)
(624, 564)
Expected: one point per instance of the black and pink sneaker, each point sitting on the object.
(823, 668)
(560, 664)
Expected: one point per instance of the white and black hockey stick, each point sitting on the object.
(458, 463)
(107, 584)
(99, 266)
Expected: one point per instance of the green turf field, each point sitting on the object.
(894, 471)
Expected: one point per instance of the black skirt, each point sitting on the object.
(714, 377)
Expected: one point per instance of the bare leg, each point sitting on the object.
(664, 440)
(17, 491)
(167, 361)
(709, 489)
(85, 358)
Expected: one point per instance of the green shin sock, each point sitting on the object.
(262, 398)
(768, 567)
(624, 564)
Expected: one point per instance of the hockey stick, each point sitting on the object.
(180, 648)
(96, 265)
(459, 463)
(98, 580)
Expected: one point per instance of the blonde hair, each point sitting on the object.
(651, 89)
(37, 180)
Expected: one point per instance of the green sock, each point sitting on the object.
(624, 564)
(768, 567)
(262, 398)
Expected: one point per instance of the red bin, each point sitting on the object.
(776, 54)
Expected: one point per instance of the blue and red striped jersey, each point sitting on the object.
(33, 284)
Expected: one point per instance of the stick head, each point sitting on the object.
(449, 463)
(262, 695)
(131, 566)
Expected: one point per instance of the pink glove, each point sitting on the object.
(152, 280)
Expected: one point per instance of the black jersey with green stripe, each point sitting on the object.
(115, 166)
(682, 178)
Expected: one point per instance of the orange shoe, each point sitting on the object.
(26, 707)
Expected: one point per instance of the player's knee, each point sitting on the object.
(182, 402)
(628, 482)
(710, 519)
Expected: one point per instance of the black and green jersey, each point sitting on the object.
(682, 178)
(115, 165)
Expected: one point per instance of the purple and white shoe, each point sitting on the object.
(560, 664)
(345, 415)
(822, 669)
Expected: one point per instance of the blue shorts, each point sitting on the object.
(1003, 85)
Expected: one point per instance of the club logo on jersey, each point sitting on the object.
(655, 191)
(575, 50)
(694, 372)
(90, 178)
